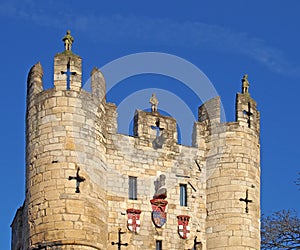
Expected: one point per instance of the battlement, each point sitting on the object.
(144, 122)
(68, 83)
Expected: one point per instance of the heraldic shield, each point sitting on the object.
(183, 226)
(133, 221)
(159, 216)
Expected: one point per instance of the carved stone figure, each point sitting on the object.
(245, 84)
(154, 103)
(68, 40)
(160, 187)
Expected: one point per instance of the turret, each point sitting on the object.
(65, 206)
(98, 85)
(233, 178)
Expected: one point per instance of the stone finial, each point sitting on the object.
(245, 84)
(68, 41)
(154, 103)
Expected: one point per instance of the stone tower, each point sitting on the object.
(89, 187)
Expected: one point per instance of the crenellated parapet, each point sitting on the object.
(98, 86)
(247, 114)
(155, 130)
(210, 111)
(67, 71)
(35, 80)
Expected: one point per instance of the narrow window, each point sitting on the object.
(183, 195)
(158, 245)
(132, 182)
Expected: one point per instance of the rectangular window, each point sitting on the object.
(132, 182)
(183, 195)
(158, 245)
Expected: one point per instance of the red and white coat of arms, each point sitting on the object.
(183, 226)
(133, 219)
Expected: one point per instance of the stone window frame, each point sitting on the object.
(183, 194)
(132, 187)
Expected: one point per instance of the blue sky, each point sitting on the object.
(225, 39)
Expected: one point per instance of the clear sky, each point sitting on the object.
(225, 39)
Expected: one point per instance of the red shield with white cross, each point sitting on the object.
(133, 219)
(183, 226)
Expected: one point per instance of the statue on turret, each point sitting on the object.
(245, 84)
(68, 41)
